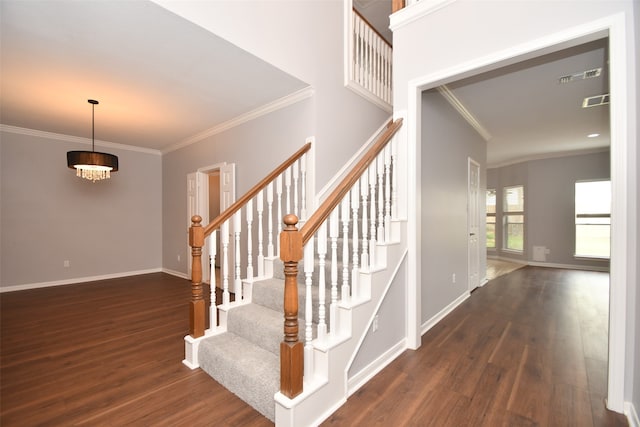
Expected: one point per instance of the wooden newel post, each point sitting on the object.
(197, 305)
(291, 349)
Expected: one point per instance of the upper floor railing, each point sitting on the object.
(369, 62)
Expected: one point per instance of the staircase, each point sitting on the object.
(340, 284)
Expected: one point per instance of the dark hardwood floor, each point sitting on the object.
(529, 348)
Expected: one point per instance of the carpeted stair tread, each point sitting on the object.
(249, 371)
(258, 324)
(270, 293)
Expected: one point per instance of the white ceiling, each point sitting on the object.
(161, 80)
(529, 114)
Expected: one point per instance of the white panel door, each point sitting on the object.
(473, 221)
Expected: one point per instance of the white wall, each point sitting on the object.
(447, 143)
(304, 39)
(466, 37)
(49, 215)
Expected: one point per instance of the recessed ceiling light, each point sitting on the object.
(593, 135)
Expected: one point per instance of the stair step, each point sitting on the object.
(258, 324)
(247, 370)
(270, 293)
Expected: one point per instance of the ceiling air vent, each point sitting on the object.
(589, 74)
(594, 101)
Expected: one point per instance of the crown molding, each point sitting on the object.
(544, 156)
(278, 104)
(455, 103)
(75, 139)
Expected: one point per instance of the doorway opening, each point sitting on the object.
(210, 190)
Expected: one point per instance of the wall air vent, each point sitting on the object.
(589, 74)
(594, 101)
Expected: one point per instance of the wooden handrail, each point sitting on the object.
(292, 242)
(372, 27)
(231, 210)
(325, 209)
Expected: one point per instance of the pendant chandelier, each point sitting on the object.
(92, 165)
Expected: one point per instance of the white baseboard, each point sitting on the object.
(448, 309)
(567, 266)
(77, 280)
(632, 414)
(369, 371)
(176, 273)
(550, 264)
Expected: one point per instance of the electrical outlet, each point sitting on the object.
(178, 257)
(453, 278)
(375, 323)
(66, 263)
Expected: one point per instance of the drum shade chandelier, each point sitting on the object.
(92, 165)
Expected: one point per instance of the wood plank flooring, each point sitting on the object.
(529, 348)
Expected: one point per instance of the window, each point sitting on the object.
(513, 218)
(491, 219)
(593, 219)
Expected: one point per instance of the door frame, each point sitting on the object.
(613, 26)
(472, 163)
(202, 206)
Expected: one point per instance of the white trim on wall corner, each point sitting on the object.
(441, 315)
(462, 110)
(278, 104)
(415, 11)
(632, 414)
(77, 280)
(75, 139)
(361, 378)
(176, 273)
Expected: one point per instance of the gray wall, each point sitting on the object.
(391, 327)
(549, 188)
(256, 147)
(48, 215)
(447, 142)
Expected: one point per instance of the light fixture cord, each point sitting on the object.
(93, 127)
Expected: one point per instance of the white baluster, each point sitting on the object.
(322, 283)
(308, 313)
(364, 187)
(387, 193)
(334, 228)
(346, 291)
(270, 252)
(372, 225)
(224, 239)
(355, 193)
(303, 187)
(249, 210)
(213, 318)
(296, 177)
(279, 203)
(287, 190)
(259, 209)
(237, 224)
